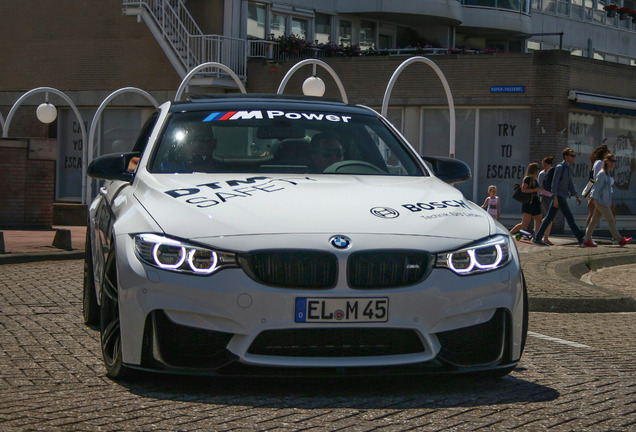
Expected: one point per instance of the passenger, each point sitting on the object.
(531, 210)
(596, 165)
(325, 151)
(562, 188)
(547, 163)
(602, 196)
(492, 204)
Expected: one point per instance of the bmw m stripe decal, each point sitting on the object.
(218, 116)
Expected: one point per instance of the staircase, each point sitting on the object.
(185, 44)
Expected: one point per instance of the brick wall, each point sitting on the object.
(26, 197)
(79, 45)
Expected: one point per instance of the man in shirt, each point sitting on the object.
(562, 188)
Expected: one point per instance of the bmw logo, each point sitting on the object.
(340, 242)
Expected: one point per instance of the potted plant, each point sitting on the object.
(623, 13)
(632, 14)
(611, 10)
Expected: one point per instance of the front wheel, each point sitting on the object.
(109, 321)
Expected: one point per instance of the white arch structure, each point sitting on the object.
(199, 68)
(334, 75)
(5, 129)
(97, 118)
(449, 95)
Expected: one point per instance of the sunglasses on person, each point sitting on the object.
(572, 154)
(611, 160)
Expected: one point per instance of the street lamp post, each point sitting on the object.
(196, 70)
(46, 113)
(313, 86)
(449, 95)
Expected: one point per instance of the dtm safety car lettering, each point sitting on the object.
(418, 207)
(246, 188)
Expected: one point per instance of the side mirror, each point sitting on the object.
(113, 167)
(449, 170)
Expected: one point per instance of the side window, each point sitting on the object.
(144, 133)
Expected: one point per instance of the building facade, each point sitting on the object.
(514, 105)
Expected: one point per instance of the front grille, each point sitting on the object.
(387, 268)
(291, 268)
(476, 345)
(171, 345)
(336, 343)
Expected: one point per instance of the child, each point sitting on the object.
(492, 203)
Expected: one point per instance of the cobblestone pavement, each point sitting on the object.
(577, 373)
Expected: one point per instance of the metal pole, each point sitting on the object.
(449, 95)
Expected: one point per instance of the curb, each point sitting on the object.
(571, 271)
(20, 258)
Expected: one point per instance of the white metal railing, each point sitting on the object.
(188, 43)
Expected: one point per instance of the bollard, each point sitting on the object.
(2, 243)
(62, 239)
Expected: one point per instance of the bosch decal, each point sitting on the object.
(259, 115)
(200, 197)
(433, 205)
(384, 212)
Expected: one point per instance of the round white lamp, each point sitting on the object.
(46, 112)
(313, 86)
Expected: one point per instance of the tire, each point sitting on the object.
(90, 308)
(110, 334)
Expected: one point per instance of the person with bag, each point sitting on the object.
(561, 188)
(544, 195)
(530, 210)
(602, 196)
(596, 164)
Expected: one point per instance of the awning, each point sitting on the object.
(602, 103)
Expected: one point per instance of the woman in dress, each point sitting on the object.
(531, 210)
(596, 164)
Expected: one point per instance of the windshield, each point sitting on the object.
(275, 141)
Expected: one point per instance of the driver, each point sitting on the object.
(325, 151)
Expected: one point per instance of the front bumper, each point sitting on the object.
(227, 323)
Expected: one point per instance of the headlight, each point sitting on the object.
(482, 257)
(171, 254)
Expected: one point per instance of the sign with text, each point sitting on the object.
(507, 89)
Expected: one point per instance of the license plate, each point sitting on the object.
(342, 310)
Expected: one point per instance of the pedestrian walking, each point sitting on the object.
(532, 209)
(596, 165)
(492, 204)
(544, 195)
(602, 195)
(561, 188)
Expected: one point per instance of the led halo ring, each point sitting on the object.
(200, 270)
(168, 266)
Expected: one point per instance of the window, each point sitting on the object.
(322, 28)
(344, 34)
(278, 25)
(256, 14)
(367, 35)
(299, 27)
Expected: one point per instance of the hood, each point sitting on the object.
(204, 205)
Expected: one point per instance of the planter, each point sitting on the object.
(611, 13)
(623, 15)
